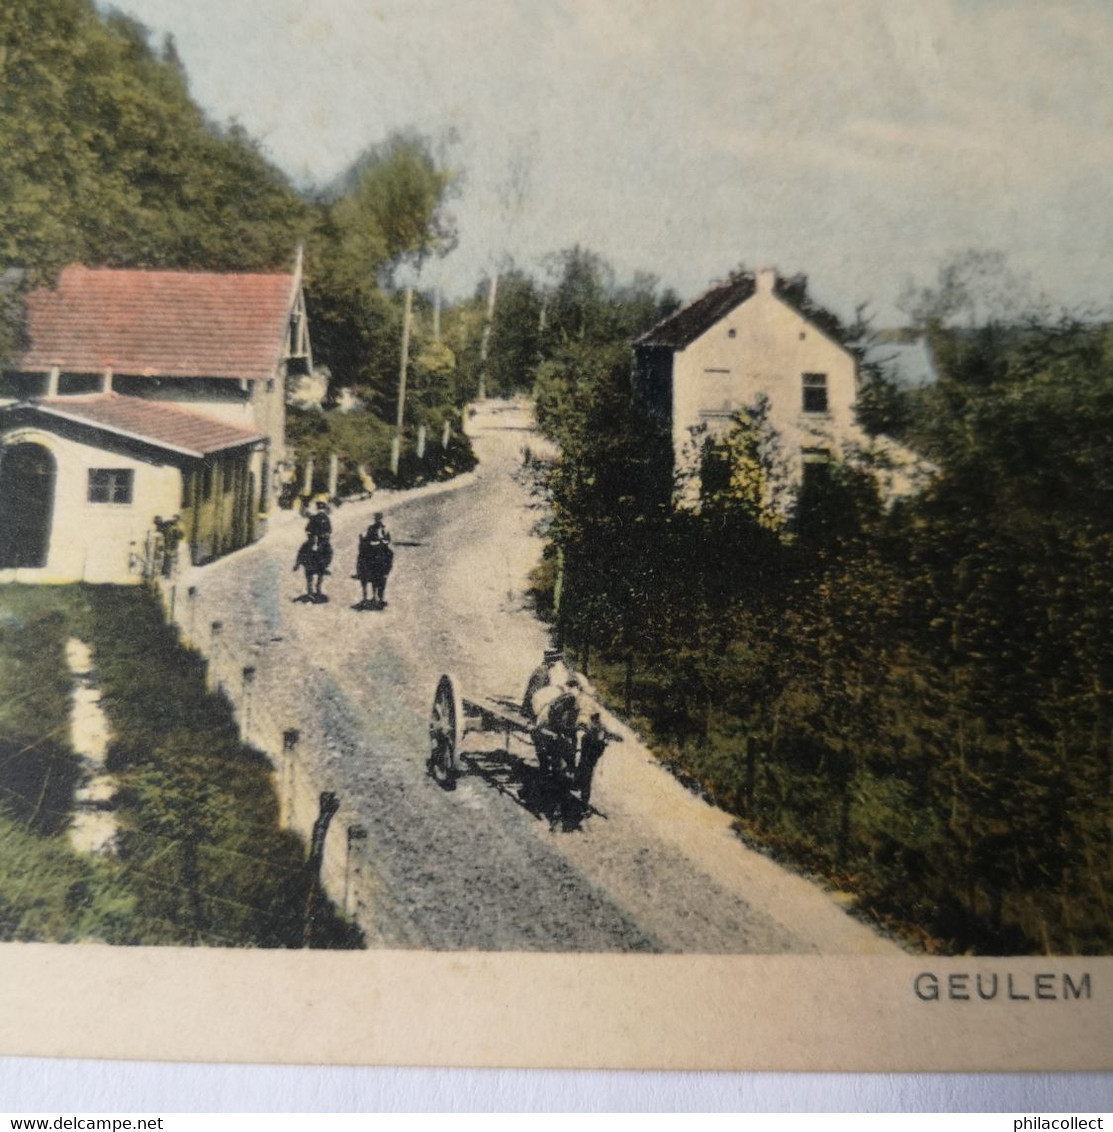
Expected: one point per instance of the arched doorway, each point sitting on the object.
(26, 504)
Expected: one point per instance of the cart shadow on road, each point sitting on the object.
(525, 785)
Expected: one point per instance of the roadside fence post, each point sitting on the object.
(357, 834)
(328, 804)
(751, 772)
(212, 676)
(248, 684)
(191, 593)
(290, 739)
(333, 474)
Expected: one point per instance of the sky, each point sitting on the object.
(862, 142)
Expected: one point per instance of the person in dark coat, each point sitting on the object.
(315, 554)
(374, 562)
(319, 527)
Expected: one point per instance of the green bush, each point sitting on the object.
(201, 858)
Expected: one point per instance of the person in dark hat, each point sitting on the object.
(315, 554)
(319, 527)
(374, 562)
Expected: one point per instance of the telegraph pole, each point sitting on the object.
(485, 343)
(396, 450)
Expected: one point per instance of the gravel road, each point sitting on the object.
(492, 865)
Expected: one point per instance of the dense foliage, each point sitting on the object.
(362, 440)
(915, 703)
(200, 856)
(106, 160)
(574, 301)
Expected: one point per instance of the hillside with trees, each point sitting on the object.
(106, 160)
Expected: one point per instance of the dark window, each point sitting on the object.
(74, 384)
(815, 393)
(207, 478)
(23, 385)
(187, 489)
(136, 386)
(228, 470)
(110, 485)
(179, 388)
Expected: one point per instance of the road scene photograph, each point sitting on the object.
(558, 477)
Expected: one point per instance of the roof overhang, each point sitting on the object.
(247, 440)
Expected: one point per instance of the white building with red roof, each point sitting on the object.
(141, 396)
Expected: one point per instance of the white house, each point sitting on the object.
(140, 396)
(744, 341)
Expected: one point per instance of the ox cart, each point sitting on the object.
(568, 746)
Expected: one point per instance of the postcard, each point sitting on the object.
(556, 535)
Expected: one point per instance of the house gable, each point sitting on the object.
(753, 339)
(694, 319)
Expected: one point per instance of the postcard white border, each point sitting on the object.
(515, 1010)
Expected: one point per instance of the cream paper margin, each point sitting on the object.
(498, 1009)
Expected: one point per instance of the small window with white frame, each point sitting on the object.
(815, 393)
(111, 485)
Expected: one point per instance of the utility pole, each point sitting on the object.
(436, 314)
(485, 342)
(396, 451)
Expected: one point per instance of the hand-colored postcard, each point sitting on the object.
(557, 534)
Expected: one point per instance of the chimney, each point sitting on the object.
(764, 280)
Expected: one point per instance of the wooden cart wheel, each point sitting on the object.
(446, 724)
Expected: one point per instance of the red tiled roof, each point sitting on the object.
(153, 422)
(159, 323)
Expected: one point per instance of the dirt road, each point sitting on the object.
(490, 865)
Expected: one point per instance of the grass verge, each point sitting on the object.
(201, 859)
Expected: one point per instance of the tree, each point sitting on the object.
(579, 302)
(104, 158)
(389, 210)
(515, 338)
(975, 288)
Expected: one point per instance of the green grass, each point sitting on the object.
(201, 858)
(47, 890)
